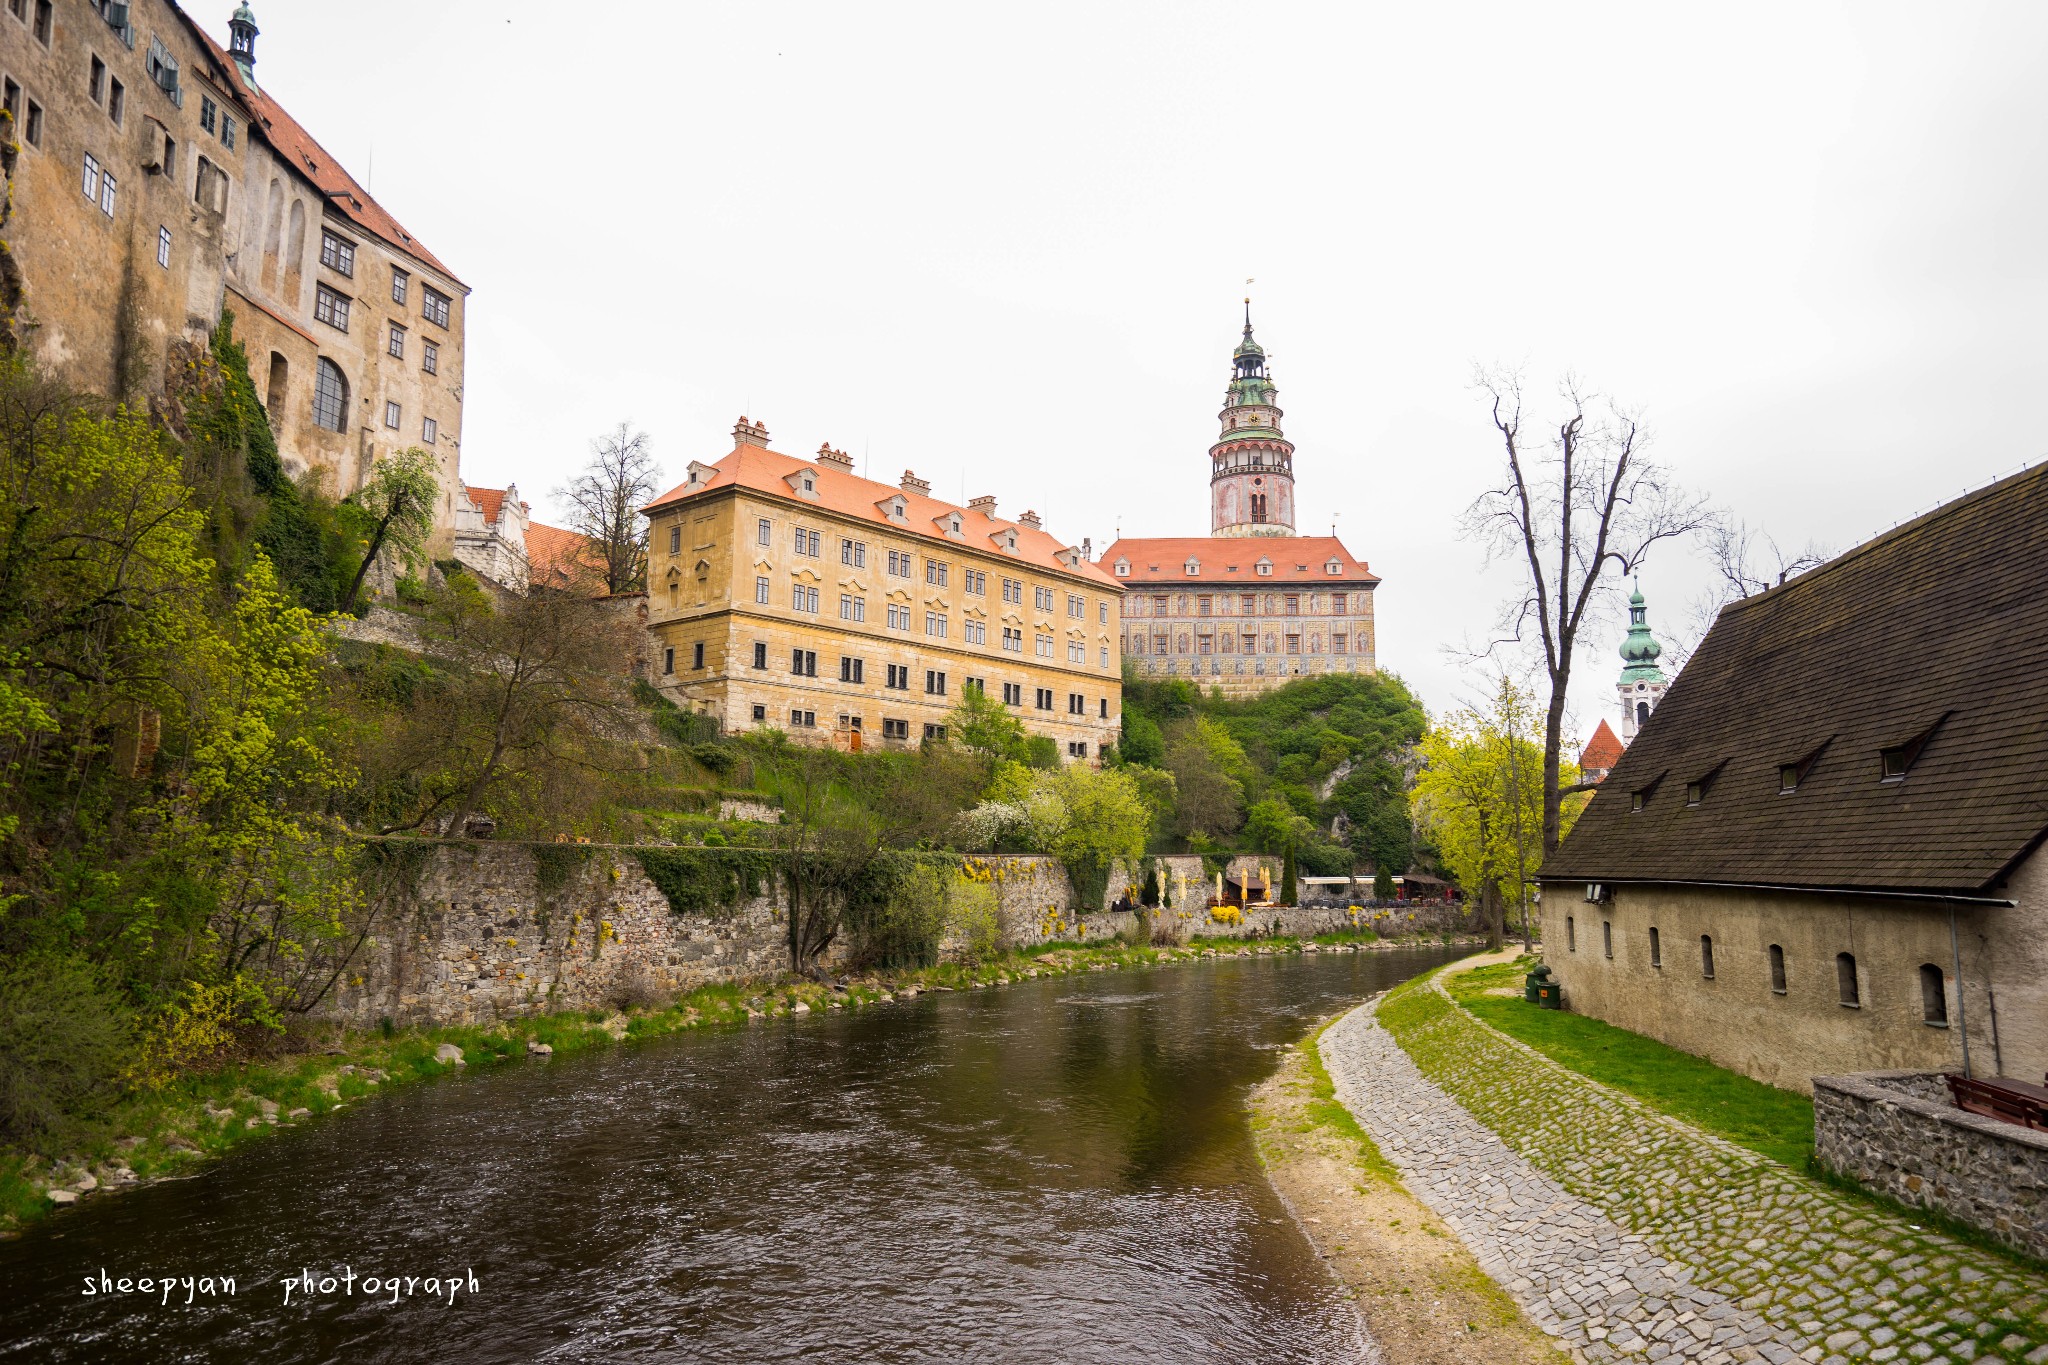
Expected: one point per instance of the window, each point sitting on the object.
(430, 430)
(430, 357)
(1105, 657)
(399, 281)
(1788, 777)
(1105, 708)
(760, 712)
(163, 247)
(1265, 568)
(974, 685)
(1042, 598)
(1607, 937)
(1043, 646)
(1013, 694)
(1042, 698)
(760, 654)
(899, 617)
(974, 581)
(92, 177)
(935, 573)
(1777, 969)
(1707, 956)
(1656, 948)
(433, 305)
(1013, 591)
(393, 415)
(803, 663)
(802, 720)
(675, 540)
(1338, 643)
(802, 598)
(1102, 613)
(227, 132)
(337, 253)
(852, 608)
(935, 625)
(32, 126)
(1203, 605)
(895, 729)
(1077, 705)
(1293, 604)
(934, 732)
(1845, 981)
(117, 102)
(853, 553)
(1013, 640)
(41, 28)
(1077, 653)
(934, 682)
(1294, 644)
(1571, 935)
(96, 81)
(107, 193)
(1077, 748)
(330, 307)
(1337, 600)
(394, 344)
(803, 541)
(764, 532)
(1077, 607)
(668, 660)
(1933, 996)
(899, 564)
(330, 396)
(697, 654)
(851, 670)
(899, 677)
(761, 592)
(207, 111)
(974, 632)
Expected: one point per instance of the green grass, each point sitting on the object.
(1325, 1108)
(1776, 1123)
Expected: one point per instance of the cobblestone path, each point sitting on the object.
(1638, 1237)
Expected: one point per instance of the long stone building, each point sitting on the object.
(1251, 606)
(154, 184)
(796, 594)
(1822, 853)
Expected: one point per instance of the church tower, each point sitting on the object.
(1251, 477)
(1642, 682)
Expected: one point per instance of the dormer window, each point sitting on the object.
(1192, 568)
(1895, 762)
(1640, 797)
(1123, 568)
(810, 484)
(1333, 568)
(954, 523)
(1696, 790)
(1790, 775)
(1265, 568)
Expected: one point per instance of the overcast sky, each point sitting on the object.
(1004, 246)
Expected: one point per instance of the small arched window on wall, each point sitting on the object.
(1642, 714)
(330, 396)
(1845, 980)
(1259, 507)
(280, 380)
(1933, 996)
(1777, 969)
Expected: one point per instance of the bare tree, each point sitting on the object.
(1588, 509)
(604, 503)
(1749, 562)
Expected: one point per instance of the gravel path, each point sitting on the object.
(1633, 1236)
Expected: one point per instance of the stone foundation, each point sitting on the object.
(1896, 1132)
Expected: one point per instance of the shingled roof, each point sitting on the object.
(1934, 635)
(1232, 561)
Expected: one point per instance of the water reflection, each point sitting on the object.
(1055, 1171)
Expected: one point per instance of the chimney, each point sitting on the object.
(985, 505)
(746, 433)
(1088, 549)
(913, 484)
(1031, 520)
(827, 455)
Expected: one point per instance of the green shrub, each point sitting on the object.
(975, 921)
(64, 1037)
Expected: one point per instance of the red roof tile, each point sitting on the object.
(845, 494)
(558, 555)
(1233, 559)
(1602, 751)
(490, 500)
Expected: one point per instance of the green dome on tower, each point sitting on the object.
(1639, 652)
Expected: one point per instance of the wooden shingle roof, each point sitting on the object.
(1934, 632)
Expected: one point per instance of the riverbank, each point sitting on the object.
(1424, 1298)
(201, 1116)
(1635, 1235)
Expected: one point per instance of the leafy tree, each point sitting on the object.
(1142, 742)
(1209, 772)
(1289, 891)
(987, 729)
(397, 506)
(604, 503)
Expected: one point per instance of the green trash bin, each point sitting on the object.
(1542, 989)
(1532, 984)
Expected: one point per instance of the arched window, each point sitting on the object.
(1642, 714)
(280, 378)
(1933, 996)
(330, 396)
(1845, 979)
(1258, 507)
(1777, 969)
(1707, 956)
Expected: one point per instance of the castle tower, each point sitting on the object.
(1642, 682)
(1251, 477)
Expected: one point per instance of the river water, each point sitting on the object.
(1058, 1171)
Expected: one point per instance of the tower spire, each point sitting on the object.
(1642, 683)
(1251, 466)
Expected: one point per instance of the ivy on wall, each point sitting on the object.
(707, 881)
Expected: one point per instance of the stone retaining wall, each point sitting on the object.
(1897, 1132)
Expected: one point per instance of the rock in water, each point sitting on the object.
(448, 1054)
(85, 1184)
(535, 1048)
(63, 1197)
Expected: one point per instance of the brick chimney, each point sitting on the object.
(745, 433)
(1031, 519)
(827, 455)
(985, 505)
(913, 484)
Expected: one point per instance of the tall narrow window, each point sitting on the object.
(330, 396)
(1777, 969)
(1845, 980)
(163, 247)
(117, 102)
(668, 660)
(697, 655)
(760, 654)
(399, 281)
(430, 357)
(1656, 948)
(434, 305)
(330, 307)
(96, 80)
(395, 345)
(1607, 937)
(1933, 996)
(430, 430)
(1571, 935)
(1707, 956)
(393, 415)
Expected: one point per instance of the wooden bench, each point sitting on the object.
(2002, 1098)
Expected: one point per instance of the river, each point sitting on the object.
(1058, 1170)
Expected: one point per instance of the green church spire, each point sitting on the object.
(1640, 650)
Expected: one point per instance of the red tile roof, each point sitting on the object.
(490, 500)
(1233, 559)
(299, 147)
(558, 556)
(845, 494)
(1602, 751)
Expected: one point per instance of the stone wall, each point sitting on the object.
(1897, 1133)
